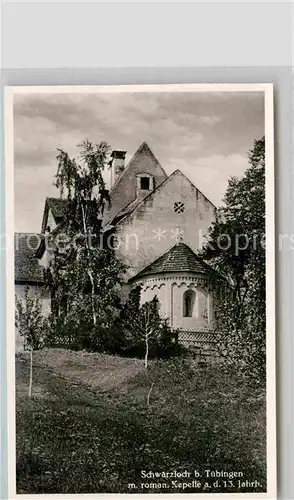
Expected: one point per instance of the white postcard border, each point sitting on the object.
(267, 88)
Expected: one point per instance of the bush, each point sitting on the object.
(163, 345)
(68, 334)
(126, 335)
(146, 334)
(29, 320)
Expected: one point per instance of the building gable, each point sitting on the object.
(124, 193)
(132, 207)
(125, 190)
(54, 213)
(176, 209)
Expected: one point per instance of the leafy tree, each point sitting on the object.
(235, 247)
(132, 305)
(79, 179)
(146, 334)
(30, 324)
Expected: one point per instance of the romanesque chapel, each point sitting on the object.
(159, 223)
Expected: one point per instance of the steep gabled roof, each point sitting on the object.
(123, 192)
(179, 258)
(132, 207)
(26, 265)
(45, 237)
(58, 209)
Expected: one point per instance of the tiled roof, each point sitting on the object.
(179, 258)
(123, 192)
(57, 207)
(58, 210)
(26, 265)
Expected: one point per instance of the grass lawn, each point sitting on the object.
(88, 429)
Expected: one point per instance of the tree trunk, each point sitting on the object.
(149, 393)
(146, 351)
(92, 297)
(89, 272)
(31, 373)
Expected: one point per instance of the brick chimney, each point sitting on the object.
(116, 165)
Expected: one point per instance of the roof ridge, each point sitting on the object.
(56, 198)
(145, 146)
(146, 197)
(159, 186)
(199, 190)
(156, 260)
(37, 233)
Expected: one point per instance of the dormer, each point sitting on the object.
(145, 183)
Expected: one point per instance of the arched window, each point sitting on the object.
(189, 299)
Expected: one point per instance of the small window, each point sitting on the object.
(179, 207)
(145, 183)
(189, 299)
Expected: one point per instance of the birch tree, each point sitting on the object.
(86, 276)
(31, 326)
(81, 180)
(144, 329)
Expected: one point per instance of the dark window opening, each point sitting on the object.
(189, 298)
(145, 183)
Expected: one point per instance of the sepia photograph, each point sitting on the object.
(140, 345)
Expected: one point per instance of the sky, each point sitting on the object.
(206, 135)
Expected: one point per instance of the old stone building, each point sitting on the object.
(156, 224)
(28, 273)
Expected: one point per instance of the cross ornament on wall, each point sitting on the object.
(178, 235)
